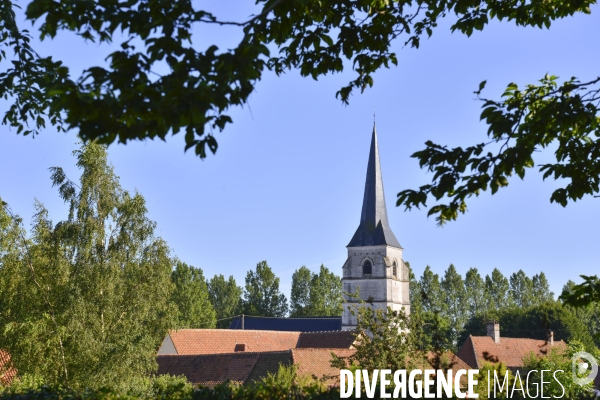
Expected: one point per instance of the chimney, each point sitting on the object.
(493, 331)
(240, 347)
(551, 337)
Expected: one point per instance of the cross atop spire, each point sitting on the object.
(374, 229)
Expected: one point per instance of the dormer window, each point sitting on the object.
(367, 267)
(395, 270)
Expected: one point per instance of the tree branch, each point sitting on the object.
(261, 15)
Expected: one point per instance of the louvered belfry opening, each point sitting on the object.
(367, 268)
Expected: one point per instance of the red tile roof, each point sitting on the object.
(316, 363)
(214, 341)
(7, 371)
(326, 340)
(448, 360)
(245, 367)
(212, 369)
(478, 349)
(268, 363)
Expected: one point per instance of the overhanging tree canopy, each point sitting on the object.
(129, 100)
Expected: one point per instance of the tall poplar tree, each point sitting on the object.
(85, 301)
(225, 296)
(521, 289)
(476, 294)
(191, 298)
(300, 294)
(437, 325)
(431, 291)
(325, 293)
(261, 293)
(497, 288)
(541, 289)
(455, 297)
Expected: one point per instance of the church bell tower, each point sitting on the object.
(374, 265)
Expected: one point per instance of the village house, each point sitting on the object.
(211, 356)
(208, 357)
(477, 350)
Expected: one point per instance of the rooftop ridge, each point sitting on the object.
(230, 330)
(517, 338)
(322, 317)
(321, 349)
(237, 353)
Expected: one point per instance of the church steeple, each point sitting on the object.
(374, 229)
(374, 267)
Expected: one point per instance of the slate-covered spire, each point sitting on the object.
(374, 229)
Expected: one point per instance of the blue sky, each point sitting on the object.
(286, 184)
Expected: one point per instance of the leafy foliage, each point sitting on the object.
(29, 80)
(133, 99)
(526, 121)
(300, 294)
(586, 296)
(541, 289)
(326, 293)
(261, 293)
(453, 306)
(386, 339)
(497, 287)
(456, 299)
(90, 295)
(556, 360)
(583, 294)
(260, 390)
(535, 322)
(427, 297)
(477, 296)
(191, 298)
(521, 289)
(431, 292)
(287, 378)
(169, 387)
(315, 294)
(485, 380)
(588, 314)
(225, 296)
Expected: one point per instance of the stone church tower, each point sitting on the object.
(374, 264)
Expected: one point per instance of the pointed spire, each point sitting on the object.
(374, 229)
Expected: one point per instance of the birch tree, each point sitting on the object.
(85, 301)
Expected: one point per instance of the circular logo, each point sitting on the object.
(582, 363)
